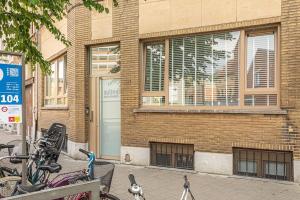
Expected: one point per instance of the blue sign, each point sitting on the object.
(10, 84)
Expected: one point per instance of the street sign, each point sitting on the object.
(10, 93)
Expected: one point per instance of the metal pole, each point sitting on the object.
(24, 144)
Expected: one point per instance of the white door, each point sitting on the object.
(110, 123)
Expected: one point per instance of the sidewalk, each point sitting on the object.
(163, 184)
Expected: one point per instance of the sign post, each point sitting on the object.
(12, 96)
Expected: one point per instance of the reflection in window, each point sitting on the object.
(104, 58)
(55, 84)
(275, 169)
(261, 61)
(204, 70)
(153, 101)
(247, 167)
(154, 71)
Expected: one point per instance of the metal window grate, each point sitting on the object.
(263, 163)
(171, 155)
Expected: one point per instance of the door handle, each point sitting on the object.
(91, 116)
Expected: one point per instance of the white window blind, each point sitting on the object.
(204, 70)
(155, 66)
(261, 66)
(261, 61)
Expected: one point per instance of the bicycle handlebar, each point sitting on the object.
(84, 152)
(21, 157)
(4, 146)
(132, 179)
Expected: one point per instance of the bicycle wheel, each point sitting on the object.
(108, 196)
(8, 185)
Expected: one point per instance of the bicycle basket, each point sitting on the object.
(8, 185)
(104, 171)
(17, 149)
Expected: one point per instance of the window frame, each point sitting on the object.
(263, 157)
(164, 92)
(243, 90)
(56, 96)
(264, 91)
(106, 72)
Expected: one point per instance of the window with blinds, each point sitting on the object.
(261, 66)
(154, 74)
(155, 66)
(212, 70)
(204, 70)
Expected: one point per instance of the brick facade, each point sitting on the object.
(209, 132)
(290, 72)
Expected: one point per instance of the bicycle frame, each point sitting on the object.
(185, 194)
(186, 190)
(71, 177)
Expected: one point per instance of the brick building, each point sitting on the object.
(206, 85)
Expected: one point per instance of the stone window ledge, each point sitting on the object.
(55, 108)
(231, 111)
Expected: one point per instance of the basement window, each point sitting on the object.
(263, 163)
(172, 155)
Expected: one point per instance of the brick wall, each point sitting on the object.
(290, 71)
(79, 31)
(73, 116)
(209, 132)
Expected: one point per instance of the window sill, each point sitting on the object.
(270, 111)
(55, 108)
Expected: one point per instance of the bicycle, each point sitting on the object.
(74, 177)
(4, 146)
(137, 190)
(47, 150)
(8, 183)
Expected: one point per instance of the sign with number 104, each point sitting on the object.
(10, 93)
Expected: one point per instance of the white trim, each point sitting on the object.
(137, 155)
(297, 171)
(73, 149)
(216, 163)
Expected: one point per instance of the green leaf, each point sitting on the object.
(18, 16)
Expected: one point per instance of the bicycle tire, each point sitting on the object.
(108, 197)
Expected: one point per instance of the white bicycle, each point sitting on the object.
(137, 190)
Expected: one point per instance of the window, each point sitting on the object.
(56, 84)
(261, 66)
(154, 74)
(104, 58)
(206, 70)
(263, 163)
(179, 156)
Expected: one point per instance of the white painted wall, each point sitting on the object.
(138, 155)
(73, 150)
(297, 171)
(217, 163)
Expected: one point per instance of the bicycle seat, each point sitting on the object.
(24, 189)
(52, 168)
